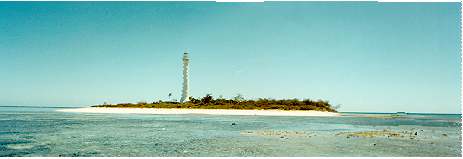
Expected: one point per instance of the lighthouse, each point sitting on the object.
(186, 61)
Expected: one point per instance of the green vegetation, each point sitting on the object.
(238, 102)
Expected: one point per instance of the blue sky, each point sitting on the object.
(366, 56)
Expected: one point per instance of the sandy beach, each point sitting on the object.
(198, 111)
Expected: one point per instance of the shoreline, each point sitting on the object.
(198, 111)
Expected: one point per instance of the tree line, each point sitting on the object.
(238, 102)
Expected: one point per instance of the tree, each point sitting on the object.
(238, 98)
(194, 100)
(207, 99)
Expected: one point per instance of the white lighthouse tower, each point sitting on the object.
(186, 61)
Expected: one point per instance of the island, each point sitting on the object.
(220, 106)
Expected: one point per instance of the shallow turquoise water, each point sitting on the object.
(45, 132)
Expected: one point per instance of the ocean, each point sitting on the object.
(42, 131)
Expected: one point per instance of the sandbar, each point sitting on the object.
(199, 111)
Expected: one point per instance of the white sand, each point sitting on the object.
(199, 111)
